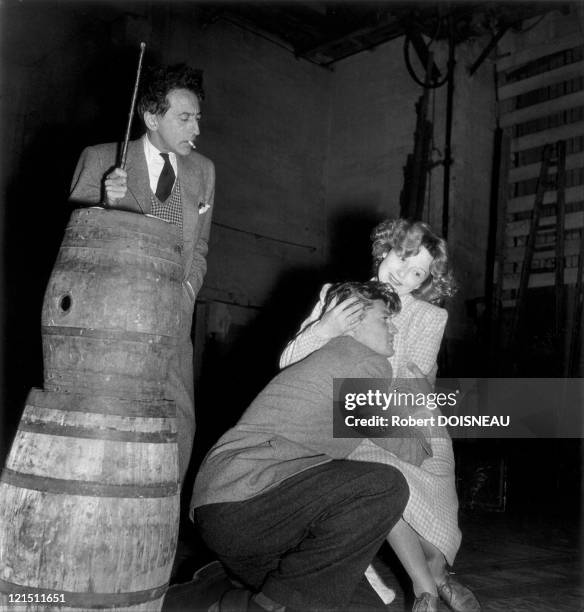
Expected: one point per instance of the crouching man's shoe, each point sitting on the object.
(233, 600)
(242, 600)
(457, 596)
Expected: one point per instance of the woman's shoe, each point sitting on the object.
(426, 602)
(457, 596)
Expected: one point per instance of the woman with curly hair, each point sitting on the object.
(414, 261)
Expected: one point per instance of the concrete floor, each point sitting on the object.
(513, 564)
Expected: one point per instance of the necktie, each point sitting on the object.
(166, 179)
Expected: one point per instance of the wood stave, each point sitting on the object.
(112, 307)
(127, 493)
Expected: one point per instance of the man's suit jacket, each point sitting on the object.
(197, 180)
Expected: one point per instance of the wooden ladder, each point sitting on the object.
(553, 155)
(574, 328)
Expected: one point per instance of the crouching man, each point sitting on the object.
(276, 500)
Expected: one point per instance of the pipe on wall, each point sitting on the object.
(448, 138)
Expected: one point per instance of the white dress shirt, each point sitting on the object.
(155, 163)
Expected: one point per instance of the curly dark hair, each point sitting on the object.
(161, 80)
(406, 237)
(366, 292)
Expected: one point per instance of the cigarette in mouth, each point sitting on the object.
(192, 144)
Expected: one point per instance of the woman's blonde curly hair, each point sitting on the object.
(406, 237)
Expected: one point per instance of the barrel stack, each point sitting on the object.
(89, 496)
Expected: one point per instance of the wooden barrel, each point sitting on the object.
(89, 503)
(112, 307)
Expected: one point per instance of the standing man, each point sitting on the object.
(166, 178)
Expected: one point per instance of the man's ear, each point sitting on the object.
(151, 121)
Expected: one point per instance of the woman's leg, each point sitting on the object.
(456, 595)
(408, 548)
(435, 560)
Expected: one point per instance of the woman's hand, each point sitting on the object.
(340, 318)
(416, 385)
(420, 382)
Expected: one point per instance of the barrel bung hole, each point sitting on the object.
(65, 303)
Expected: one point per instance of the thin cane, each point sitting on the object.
(122, 163)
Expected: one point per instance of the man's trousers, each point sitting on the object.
(306, 542)
(181, 391)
